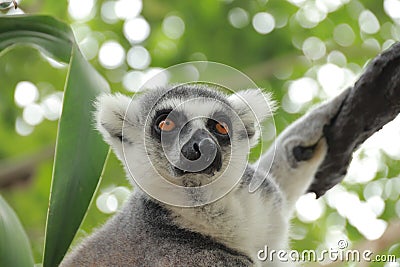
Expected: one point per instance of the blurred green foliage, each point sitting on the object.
(274, 61)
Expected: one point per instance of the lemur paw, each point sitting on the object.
(305, 137)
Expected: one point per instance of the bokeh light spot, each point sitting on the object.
(138, 57)
(337, 58)
(108, 12)
(238, 17)
(358, 213)
(398, 208)
(331, 78)
(387, 44)
(22, 128)
(81, 10)
(297, 2)
(309, 16)
(314, 48)
(157, 77)
(263, 22)
(136, 30)
(372, 44)
(309, 208)
(112, 199)
(376, 204)
(133, 81)
(111, 55)
(303, 90)
(89, 47)
(128, 9)
(33, 114)
(373, 189)
(289, 106)
(328, 5)
(173, 27)
(25, 93)
(52, 106)
(344, 35)
(392, 8)
(368, 22)
(107, 203)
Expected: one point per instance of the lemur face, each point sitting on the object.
(195, 143)
(190, 134)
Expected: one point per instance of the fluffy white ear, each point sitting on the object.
(253, 106)
(259, 103)
(111, 116)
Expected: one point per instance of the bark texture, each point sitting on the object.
(372, 102)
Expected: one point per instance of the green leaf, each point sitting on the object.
(80, 151)
(6, 4)
(15, 249)
(79, 160)
(44, 32)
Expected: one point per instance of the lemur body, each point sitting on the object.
(228, 231)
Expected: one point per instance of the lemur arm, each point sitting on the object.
(298, 151)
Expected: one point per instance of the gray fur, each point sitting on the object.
(142, 234)
(227, 232)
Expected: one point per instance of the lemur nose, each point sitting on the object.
(193, 149)
(196, 147)
(207, 145)
(200, 154)
(195, 153)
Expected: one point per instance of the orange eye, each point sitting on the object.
(222, 128)
(166, 125)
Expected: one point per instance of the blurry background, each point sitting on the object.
(304, 51)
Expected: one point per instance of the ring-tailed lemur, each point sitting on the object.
(192, 136)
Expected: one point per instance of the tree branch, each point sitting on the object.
(15, 171)
(371, 103)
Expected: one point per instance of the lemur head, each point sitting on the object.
(187, 134)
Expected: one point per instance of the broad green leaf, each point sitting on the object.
(6, 5)
(80, 151)
(43, 32)
(79, 160)
(15, 249)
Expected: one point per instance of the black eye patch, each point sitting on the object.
(165, 117)
(158, 118)
(221, 127)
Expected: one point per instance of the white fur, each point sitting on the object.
(250, 223)
(260, 103)
(257, 105)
